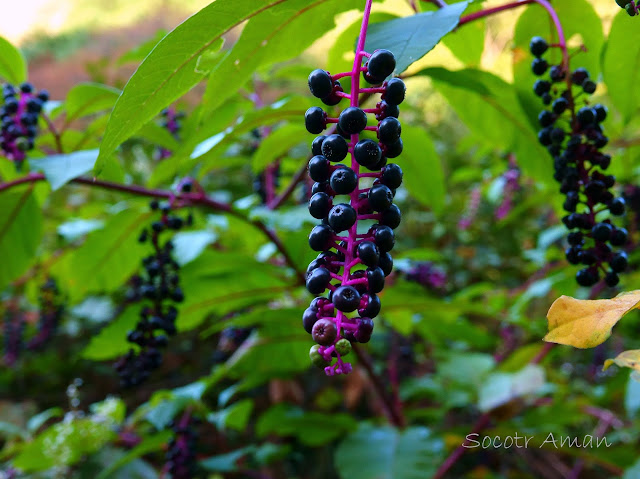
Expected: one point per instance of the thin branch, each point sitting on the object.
(394, 415)
(437, 3)
(56, 135)
(195, 198)
(282, 197)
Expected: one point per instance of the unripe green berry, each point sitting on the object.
(316, 357)
(343, 347)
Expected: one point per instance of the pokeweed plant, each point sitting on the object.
(453, 352)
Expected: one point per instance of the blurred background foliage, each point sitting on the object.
(479, 259)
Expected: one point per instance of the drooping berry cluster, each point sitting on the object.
(181, 457)
(631, 7)
(19, 116)
(172, 121)
(427, 275)
(160, 286)
(511, 185)
(352, 267)
(573, 135)
(230, 340)
(13, 334)
(51, 310)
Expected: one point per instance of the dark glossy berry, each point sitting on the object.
(387, 110)
(538, 46)
(391, 217)
(368, 253)
(324, 332)
(394, 91)
(320, 237)
(318, 280)
(365, 328)
(343, 181)
(589, 86)
(391, 176)
(392, 150)
(557, 135)
(560, 105)
(573, 254)
(43, 96)
(319, 168)
(601, 231)
(575, 238)
(342, 217)
(319, 205)
(540, 87)
(26, 87)
(372, 306)
(601, 112)
(369, 78)
(381, 64)
(383, 237)
(546, 98)
(380, 197)
(316, 145)
(375, 279)
(579, 75)
(544, 136)
(367, 153)
(617, 206)
(352, 120)
(335, 148)
(619, 237)
(346, 299)
(587, 277)
(389, 130)
(546, 118)
(315, 120)
(319, 187)
(333, 99)
(539, 66)
(320, 83)
(386, 263)
(611, 279)
(619, 262)
(586, 116)
(556, 73)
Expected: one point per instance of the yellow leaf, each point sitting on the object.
(626, 359)
(587, 323)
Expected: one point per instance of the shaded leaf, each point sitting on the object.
(89, 98)
(587, 323)
(501, 388)
(388, 453)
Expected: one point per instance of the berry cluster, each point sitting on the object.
(13, 334)
(159, 285)
(51, 310)
(19, 116)
(181, 457)
(573, 136)
(352, 267)
(172, 121)
(511, 185)
(631, 7)
(427, 275)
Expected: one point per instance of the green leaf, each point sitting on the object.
(89, 98)
(36, 422)
(310, 428)
(20, 231)
(501, 388)
(171, 69)
(60, 169)
(107, 258)
(621, 65)
(148, 445)
(234, 417)
(267, 39)
(467, 42)
(411, 38)
(188, 245)
(388, 453)
(64, 443)
(13, 67)
(111, 341)
(480, 99)
(277, 144)
(423, 174)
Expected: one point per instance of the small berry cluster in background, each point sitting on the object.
(573, 135)
(172, 121)
(428, 275)
(19, 116)
(181, 458)
(52, 308)
(511, 185)
(471, 210)
(13, 329)
(160, 286)
(230, 340)
(631, 7)
(352, 267)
